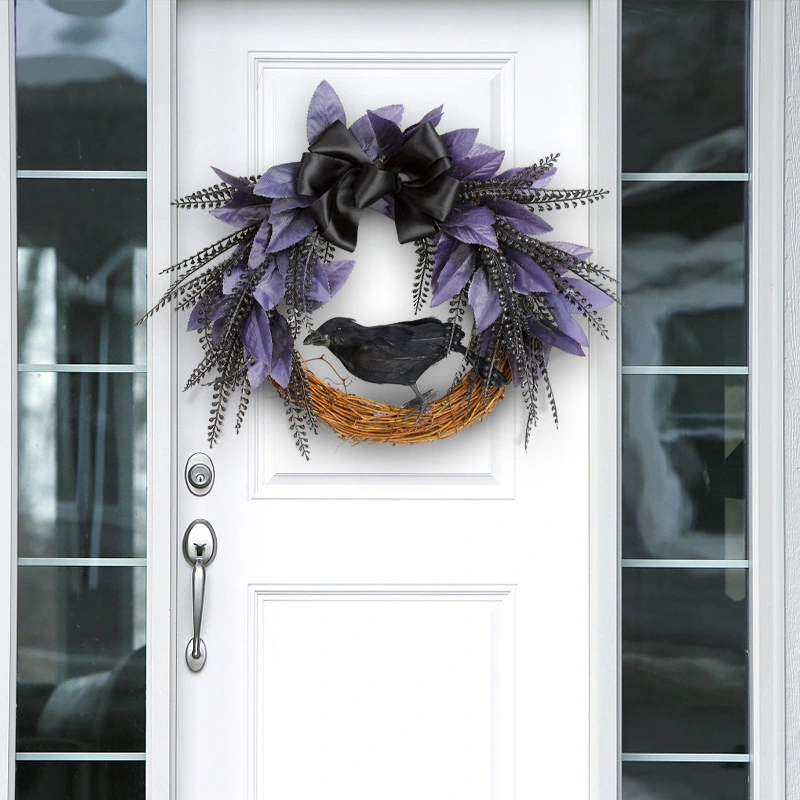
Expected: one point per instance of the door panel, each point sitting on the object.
(385, 621)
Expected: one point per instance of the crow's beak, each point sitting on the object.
(315, 337)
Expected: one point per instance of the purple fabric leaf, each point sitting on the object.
(434, 117)
(258, 252)
(282, 204)
(217, 328)
(444, 249)
(482, 162)
(282, 343)
(562, 311)
(324, 109)
(271, 288)
(577, 250)
(289, 228)
(551, 335)
(519, 217)
(593, 295)
(387, 133)
(256, 374)
(319, 289)
(454, 274)
(217, 311)
(473, 225)
(338, 273)
(529, 277)
(242, 210)
(278, 181)
(460, 142)
(365, 135)
(231, 279)
(484, 300)
(257, 335)
(231, 180)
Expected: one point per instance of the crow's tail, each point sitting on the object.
(479, 364)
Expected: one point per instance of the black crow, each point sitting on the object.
(397, 353)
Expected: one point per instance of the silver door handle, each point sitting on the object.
(199, 549)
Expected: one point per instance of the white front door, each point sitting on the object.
(385, 622)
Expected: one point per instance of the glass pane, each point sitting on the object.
(683, 274)
(81, 84)
(684, 781)
(82, 464)
(684, 91)
(684, 661)
(82, 270)
(81, 659)
(684, 466)
(80, 780)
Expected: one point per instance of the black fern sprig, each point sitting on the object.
(208, 254)
(458, 308)
(244, 401)
(521, 182)
(299, 281)
(213, 197)
(422, 274)
(299, 407)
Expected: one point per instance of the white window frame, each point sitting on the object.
(766, 406)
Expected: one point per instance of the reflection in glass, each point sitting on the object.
(684, 86)
(80, 780)
(81, 84)
(684, 466)
(82, 464)
(684, 268)
(81, 660)
(82, 270)
(684, 781)
(684, 662)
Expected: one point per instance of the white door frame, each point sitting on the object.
(766, 431)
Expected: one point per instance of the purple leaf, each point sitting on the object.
(593, 295)
(530, 277)
(577, 250)
(217, 311)
(444, 249)
(237, 183)
(434, 117)
(365, 135)
(519, 217)
(324, 109)
(278, 181)
(257, 336)
(561, 312)
(231, 279)
(460, 142)
(473, 225)
(258, 252)
(256, 374)
(242, 210)
(483, 161)
(338, 273)
(271, 288)
(289, 228)
(454, 274)
(387, 133)
(281, 204)
(282, 343)
(551, 335)
(484, 300)
(319, 289)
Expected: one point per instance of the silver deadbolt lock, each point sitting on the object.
(199, 474)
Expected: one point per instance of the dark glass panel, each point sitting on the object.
(81, 84)
(684, 661)
(684, 85)
(82, 464)
(82, 270)
(684, 274)
(684, 466)
(81, 659)
(684, 781)
(80, 780)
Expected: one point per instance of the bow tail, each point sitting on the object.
(411, 222)
(337, 214)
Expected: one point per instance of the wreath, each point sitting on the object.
(477, 239)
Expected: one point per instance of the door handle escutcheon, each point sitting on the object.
(199, 549)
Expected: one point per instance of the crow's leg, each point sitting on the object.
(421, 402)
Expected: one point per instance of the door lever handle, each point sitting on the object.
(199, 549)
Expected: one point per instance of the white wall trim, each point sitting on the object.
(161, 433)
(8, 403)
(604, 744)
(765, 423)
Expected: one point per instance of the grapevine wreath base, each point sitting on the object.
(512, 295)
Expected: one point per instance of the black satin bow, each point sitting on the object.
(340, 175)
